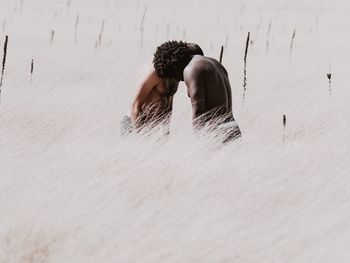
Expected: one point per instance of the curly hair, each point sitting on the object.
(172, 57)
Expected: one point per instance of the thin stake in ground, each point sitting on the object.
(245, 66)
(3, 64)
(31, 70)
(329, 76)
(52, 35)
(269, 29)
(291, 46)
(99, 40)
(221, 53)
(267, 45)
(284, 128)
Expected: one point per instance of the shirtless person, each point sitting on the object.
(154, 99)
(207, 83)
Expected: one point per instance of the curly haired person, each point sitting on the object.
(207, 82)
(153, 102)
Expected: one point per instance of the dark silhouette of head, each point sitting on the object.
(195, 49)
(172, 57)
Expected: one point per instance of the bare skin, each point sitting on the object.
(154, 99)
(209, 89)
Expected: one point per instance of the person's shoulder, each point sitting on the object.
(198, 67)
(148, 75)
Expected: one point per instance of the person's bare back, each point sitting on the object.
(209, 88)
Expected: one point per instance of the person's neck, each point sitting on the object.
(181, 76)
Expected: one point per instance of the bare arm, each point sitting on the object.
(171, 98)
(196, 91)
(167, 115)
(172, 86)
(144, 89)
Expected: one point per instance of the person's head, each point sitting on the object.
(172, 57)
(195, 49)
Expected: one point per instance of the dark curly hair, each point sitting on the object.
(172, 57)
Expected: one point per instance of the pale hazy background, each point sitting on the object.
(71, 190)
